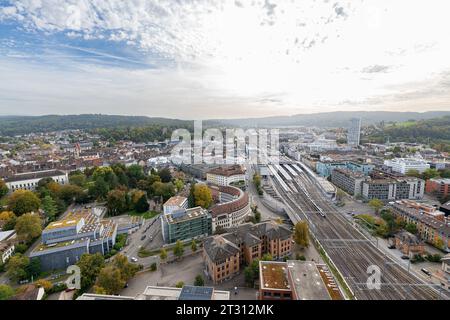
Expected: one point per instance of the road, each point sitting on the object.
(351, 252)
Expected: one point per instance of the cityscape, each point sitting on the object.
(146, 157)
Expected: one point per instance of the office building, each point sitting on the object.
(354, 132)
(29, 180)
(403, 165)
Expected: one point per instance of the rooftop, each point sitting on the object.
(183, 215)
(34, 175)
(176, 201)
(307, 281)
(273, 275)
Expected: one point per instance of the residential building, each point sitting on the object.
(409, 244)
(175, 203)
(187, 293)
(388, 189)
(232, 208)
(184, 224)
(29, 180)
(7, 244)
(348, 180)
(325, 167)
(431, 230)
(354, 132)
(65, 241)
(439, 187)
(224, 255)
(403, 165)
(297, 280)
(224, 176)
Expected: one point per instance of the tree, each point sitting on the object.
(194, 246)
(376, 204)
(430, 174)
(153, 267)
(165, 175)
(301, 234)
(249, 276)
(28, 227)
(134, 174)
(164, 190)
(49, 207)
(23, 201)
(99, 189)
(3, 188)
(42, 283)
(90, 266)
(199, 281)
(439, 243)
(411, 228)
(267, 257)
(163, 254)
(202, 196)
(110, 279)
(179, 284)
(34, 268)
(16, 268)
(9, 219)
(78, 179)
(70, 192)
(127, 270)
(179, 185)
(178, 250)
(117, 202)
(257, 216)
(413, 173)
(6, 292)
(142, 204)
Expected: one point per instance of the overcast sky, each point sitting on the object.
(195, 59)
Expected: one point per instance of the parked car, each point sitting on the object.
(133, 259)
(428, 273)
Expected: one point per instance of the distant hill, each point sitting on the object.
(19, 125)
(329, 119)
(433, 131)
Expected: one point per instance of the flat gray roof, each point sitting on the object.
(306, 281)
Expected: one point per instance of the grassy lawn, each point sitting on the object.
(145, 215)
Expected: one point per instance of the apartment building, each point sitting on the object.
(388, 189)
(184, 224)
(439, 187)
(225, 255)
(7, 244)
(431, 230)
(348, 180)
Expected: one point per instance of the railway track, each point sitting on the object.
(351, 252)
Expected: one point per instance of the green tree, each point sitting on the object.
(49, 207)
(23, 201)
(301, 234)
(16, 268)
(9, 219)
(202, 196)
(100, 189)
(28, 227)
(413, 173)
(6, 292)
(78, 179)
(430, 174)
(142, 204)
(179, 185)
(110, 279)
(178, 250)
(193, 246)
(376, 204)
(165, 175)
(257, 216)
(179, 284)
(3, 188)
(267, 257)
(163, 254)
(411, 228)
(127, 270)
(134, 174)
(34, 268)
(199, 281)
(70, 192)
(117, 202)
(90, 266)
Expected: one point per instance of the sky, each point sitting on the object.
(193, 59)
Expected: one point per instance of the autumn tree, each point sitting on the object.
(28, 227)
(117, 202)
(376, 204)
(23, 201)
(202, 196)
(301, 234)
(16, 268)
(90, 266)
(110, 280)
(9, 219)
(6, 292)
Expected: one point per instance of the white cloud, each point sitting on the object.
(269, 56)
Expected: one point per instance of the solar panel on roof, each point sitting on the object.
(196, 293)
